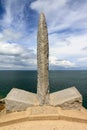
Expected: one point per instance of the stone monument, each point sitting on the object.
(18, 99)
(42, 62)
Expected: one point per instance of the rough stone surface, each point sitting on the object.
(42, 62)
(67, 99)
(18, 100)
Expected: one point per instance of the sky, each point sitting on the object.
(67, 31)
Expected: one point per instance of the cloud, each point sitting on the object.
(83, 59)
(67, 28)
(14, 14)
(17, 17)
(84, 49)
(63, 14)
(82, 62)
(14, 56)
(42, 5)
(54, 61)
(12, 24)
(10, 49)
(17, 23)
(70, 46)
(71, 51)
(10, 35)
(16, 42)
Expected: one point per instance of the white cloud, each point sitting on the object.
(71, 51)
(67, 26)
(10, 49)
(62, 14)
(54, 61)
(14, 56)
(82, 62)
(83, 59)
(14, 14)
(68, 46)
(8, 16)
(42, 5)
(10, 35)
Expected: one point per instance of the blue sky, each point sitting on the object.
(67, 28)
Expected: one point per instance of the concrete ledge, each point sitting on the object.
(67, 99)
(44, 113)
(18, 100)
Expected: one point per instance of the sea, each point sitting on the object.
(58, 80)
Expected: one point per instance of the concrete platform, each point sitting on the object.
(44, 118)
(18, 100)
(69, 98)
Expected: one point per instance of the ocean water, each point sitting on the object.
(59, 80)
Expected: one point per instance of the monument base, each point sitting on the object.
(18, 100)
(69, 98)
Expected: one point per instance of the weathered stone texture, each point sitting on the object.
(42, 62)
(69, 98)
(18, 100)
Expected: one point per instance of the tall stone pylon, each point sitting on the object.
(42, 62)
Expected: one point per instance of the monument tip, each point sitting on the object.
(42, 16)
(41, 13)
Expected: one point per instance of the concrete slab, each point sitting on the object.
(18, 100)
(69, 98)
